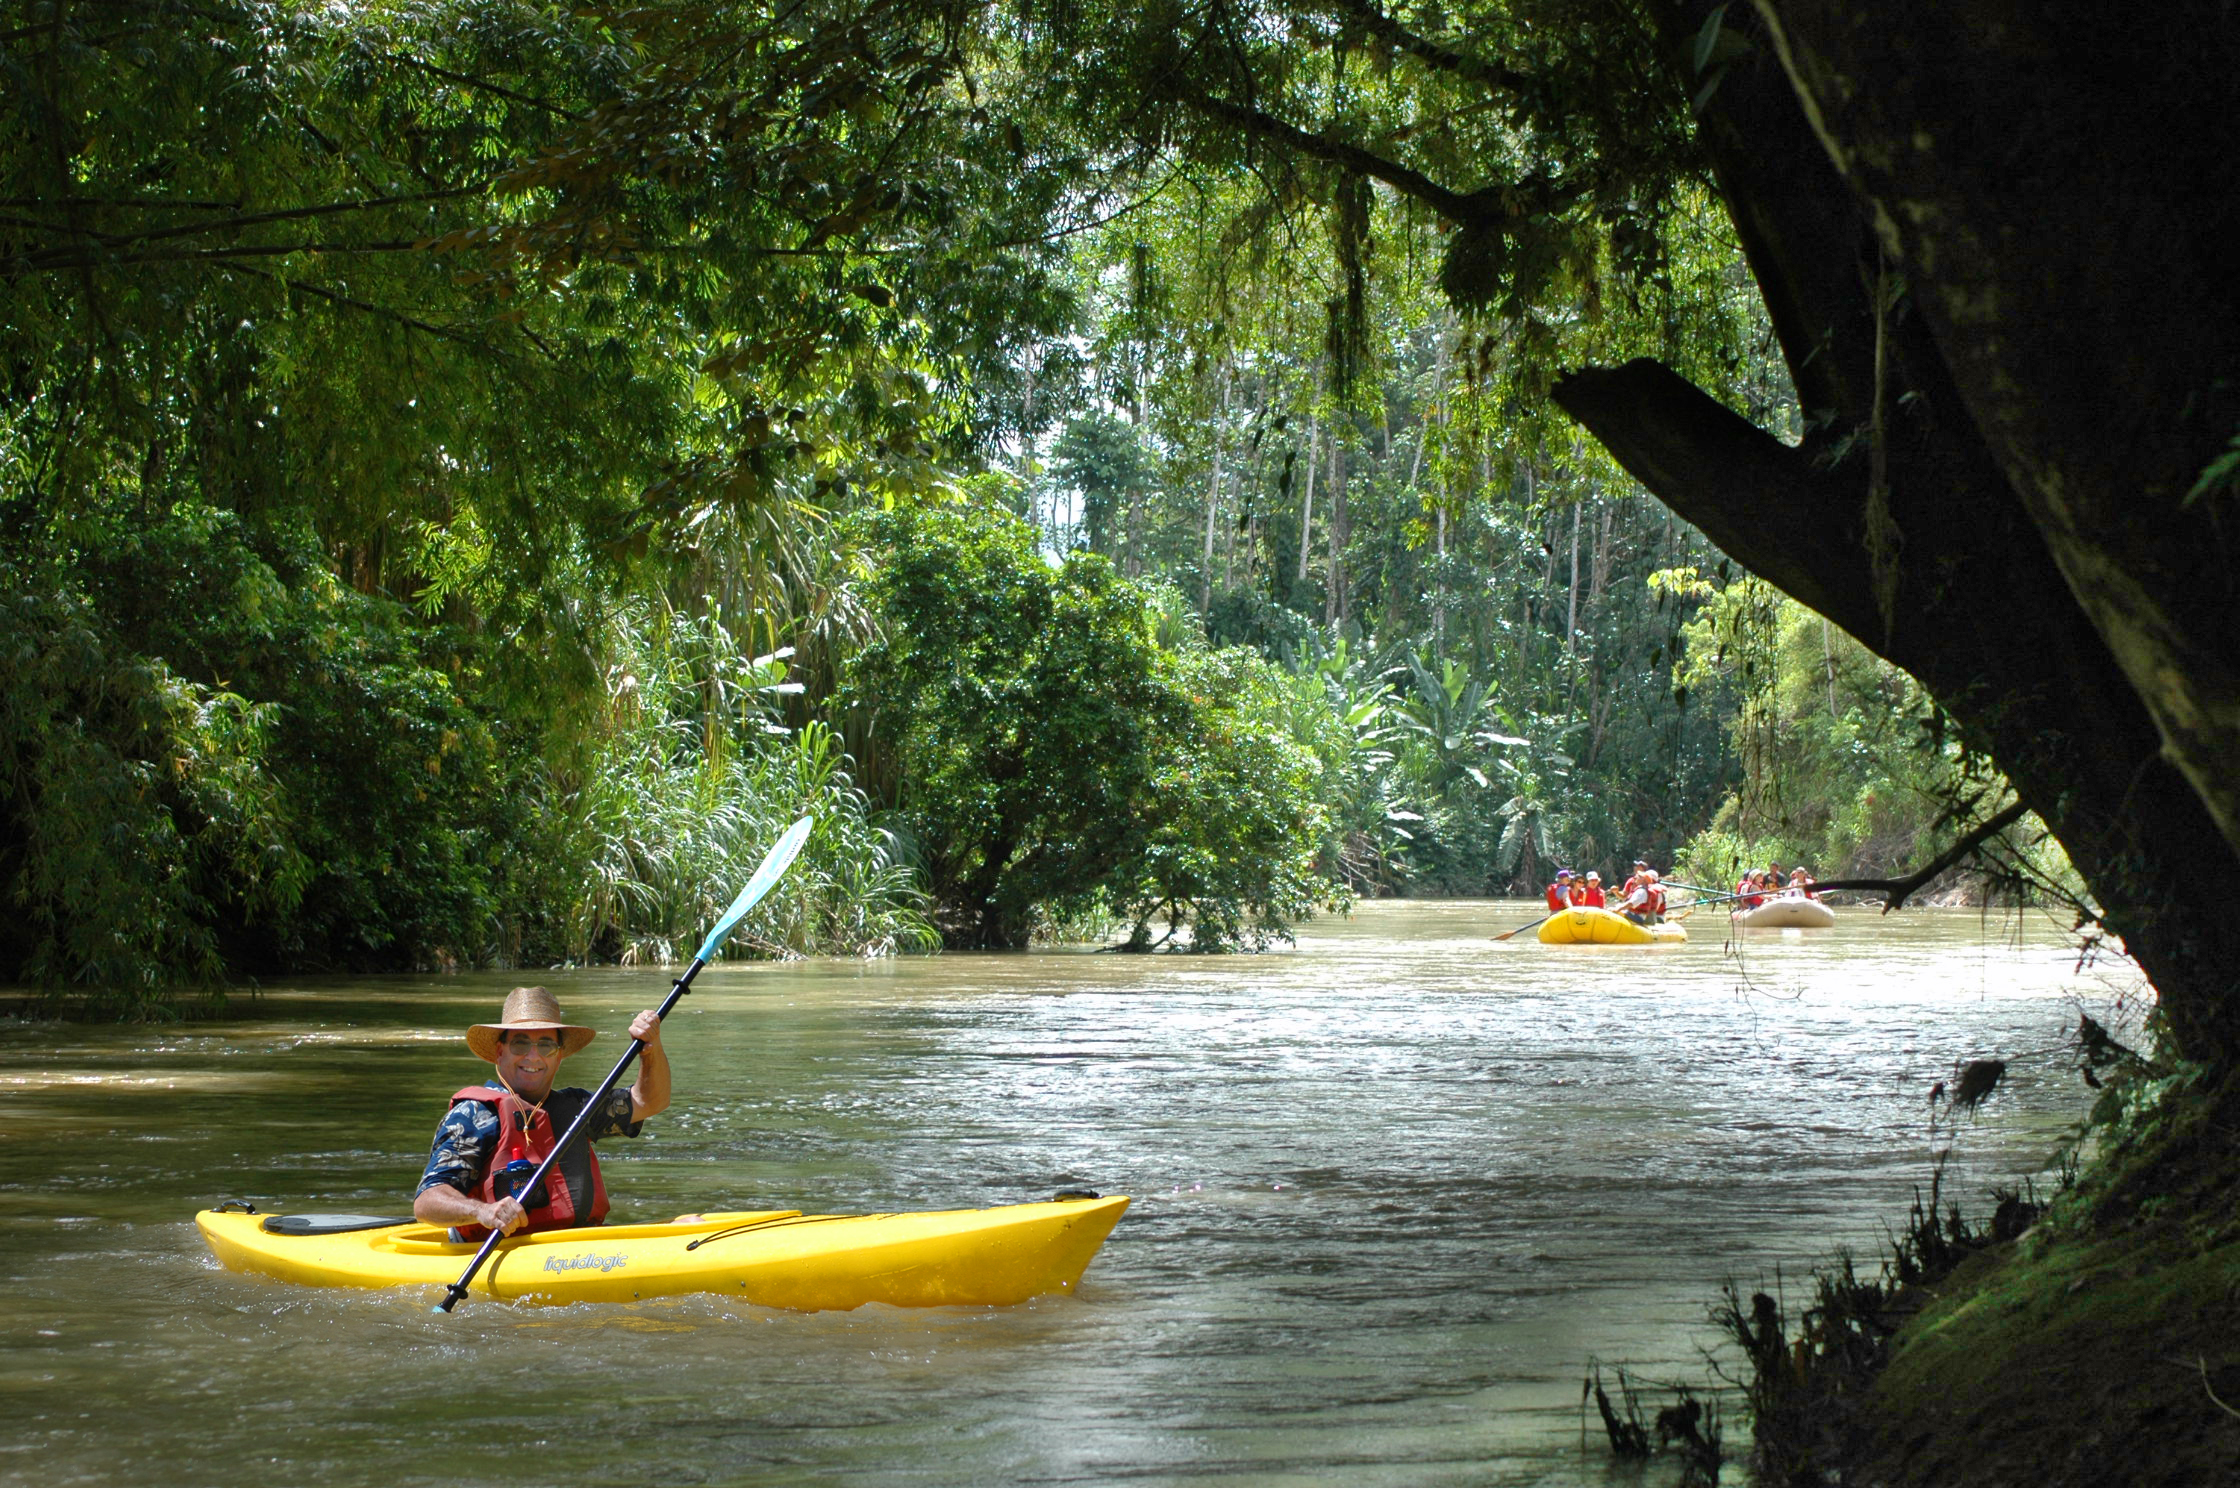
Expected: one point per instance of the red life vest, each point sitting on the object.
(1556, 898)
(1593, 898)
(1655, 905)
(525, 1131)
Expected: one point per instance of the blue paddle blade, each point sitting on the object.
(765, 879)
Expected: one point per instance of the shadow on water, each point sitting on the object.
(1394, 1189)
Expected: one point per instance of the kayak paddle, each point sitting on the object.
(765, 878)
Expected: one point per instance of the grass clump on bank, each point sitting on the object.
(2093, 1341)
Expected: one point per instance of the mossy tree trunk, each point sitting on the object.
(1997, 244)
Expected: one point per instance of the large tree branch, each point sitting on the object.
(1768, 506)
(1399, 38)
(486, 86)
(1453, 205)
(92, 260)
(364, 307)
(1898, 890)
(38, 259)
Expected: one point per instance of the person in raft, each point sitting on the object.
(1559, 892)
(1800, 882)
(515, 1120)
(1645, 901)
(1591, 895)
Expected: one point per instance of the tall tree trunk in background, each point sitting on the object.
(1131, 539)
(1439, 581)
(1335, 607)
(1213, 491)
(1828, 654)
(1306, 503)
(2013, 528)
(1571, 608)
(1598, 578)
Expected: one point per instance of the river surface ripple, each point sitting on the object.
(1394, 1190)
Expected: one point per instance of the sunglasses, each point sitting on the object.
(544, 1046)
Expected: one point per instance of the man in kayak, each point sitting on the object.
(514, 1122)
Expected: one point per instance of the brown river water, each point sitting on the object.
(1395, 1189)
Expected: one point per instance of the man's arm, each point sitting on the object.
(457, 1158)
(649, 1096)
(445, 1205)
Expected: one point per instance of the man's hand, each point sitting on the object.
(650, 1095)
(504, 1216)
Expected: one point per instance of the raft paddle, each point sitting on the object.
(1528, 924)
(765, 878)
(1684, 910)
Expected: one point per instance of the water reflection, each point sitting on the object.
(1394, 1188)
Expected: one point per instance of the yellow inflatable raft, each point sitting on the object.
(772, 1258)
(1605, 927)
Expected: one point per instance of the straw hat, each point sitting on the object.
(531, 1010)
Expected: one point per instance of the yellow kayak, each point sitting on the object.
(772, 1258)
(1605, 927)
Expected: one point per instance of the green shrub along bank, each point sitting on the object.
(1967, 1361)
(217, 760)
(679, 776)
(1050, 753)
(217, 757)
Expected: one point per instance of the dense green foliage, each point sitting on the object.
(1052, 756)
(423, 415)
(1486, 580)
(323, 797)
(1849, 768)
(473, 471)
(372, 378)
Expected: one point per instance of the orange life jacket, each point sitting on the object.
(525, 1132)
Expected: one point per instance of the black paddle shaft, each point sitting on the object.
(457, 1291)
